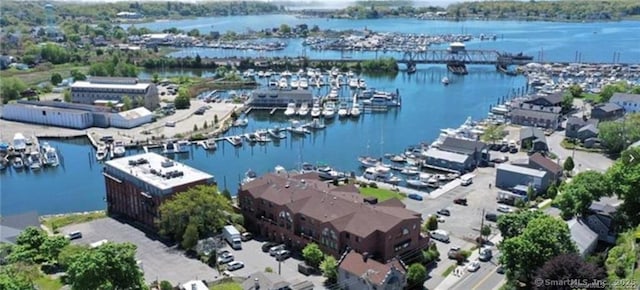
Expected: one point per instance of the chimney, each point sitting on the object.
(256, 283)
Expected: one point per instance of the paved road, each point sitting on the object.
(485, 278)
(583, 160)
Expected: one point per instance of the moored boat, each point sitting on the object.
(102, 152)
(50, 155)
(304, 110)
(291, 110)
(118, 149)
(343, 110)
(355, 110)
(17, 163)
(34, 160)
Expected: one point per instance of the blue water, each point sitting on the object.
(427, 107)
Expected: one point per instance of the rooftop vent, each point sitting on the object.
(167, 163)
(287, 185)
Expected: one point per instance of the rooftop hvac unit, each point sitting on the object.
(167, 163)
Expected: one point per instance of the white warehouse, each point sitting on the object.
(114, 89)
(45, 115)
(132, 118)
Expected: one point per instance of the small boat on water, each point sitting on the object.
(262, 136)
(241, 122)
(329, 111)
(291, 110)
(417, 183)
(299, 130)
(333, 94)
(410, 170)
(303, 83)
(210, 144)
(235, 140)
(307, 167)
(328, 173)
(304, 110)
(316, 111)
(17, 163)
(118, 149)
(355, 110)
(445, 81)
(249, 176)
(317, 125)
(343, 110)
(35, 160)
(276, 134)
(50, 155)
(102, 152)
(353, 83)
(251, 137)
(433, 182)
(366, 161)
(362, 84)
(398, 158)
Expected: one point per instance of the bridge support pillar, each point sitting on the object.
(457, 67)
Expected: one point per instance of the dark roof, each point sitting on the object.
(11, 226)
(360, 266)
(589, 127)
(546, 163)
(534, 114)
(573, 120)
(602, 208)
(341, 206)
(531, 132)
(265, 281)
(622, 97)
(608, 107)
(462, 146)
(552, 99)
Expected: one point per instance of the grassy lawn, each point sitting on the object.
(42, 73)
(381, 194)
(47, 283)
(56, 222)
(566, 144)
(226, 286)
(592, 97)
(449, 270)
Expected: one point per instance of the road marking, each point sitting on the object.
(484, 279)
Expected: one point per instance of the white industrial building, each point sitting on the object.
(114, 89)
(132, 118)
(45, 115)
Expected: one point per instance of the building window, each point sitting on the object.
(402, 245)
(405, 231)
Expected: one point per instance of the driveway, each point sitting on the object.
(583, 160)
(159, 262)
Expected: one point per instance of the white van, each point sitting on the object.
(98, 244)
(440, 235)
(466, 180)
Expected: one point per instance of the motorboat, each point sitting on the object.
(17, 163)
(283, 83)
(366, 161)
(445, 81)
(377, 173)
(19, 142)
(355, 110)
(315, 110)
(241, 122)
(260, 74)
(286, 74)
(249, 176)
(398, 158)
(410, 171)
(303, 83)
(273, 83)
(328, 173)
(333, 94)
(343, 110)
(299, 130)
(102, 152)
(294, 84)
(171, 147)
(433, 182)
(353, 83)
(251, 137)
(210, 144)
(291, 110)
(184, 145)
(362, 84)
(235, 140)
(307, 167)
(276, 134)
(118, 149)
(329, 111)
(417, 183)
(304, 110)
(262, 136)
(35, 160)
(50, 155)
(317, 125)
(268, 74)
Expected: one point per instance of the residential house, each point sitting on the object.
(194, 285)
(600, 220)
(578, 128)
(12, 225)
(358, 272)
(585, 239)
(549, 119)
(607, 111)
(509, 176)
(533, 139)
(300, 209)
(630, 102)
(552, 100)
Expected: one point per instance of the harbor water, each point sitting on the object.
(427, 107)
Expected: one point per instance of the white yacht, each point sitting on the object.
(362, 84)
(17, 163)
(118, 149)
(210, 144)
(283, 83)
(286, 74)
(291, 110)
(102, 152)
(329, 110)
(35, 162)
(50, 155)
(304, 110)
(333, 94)
(242, 122)
(268, 74)
(353, 83)
(343, 110)
(260, 74)
(295, 83)
(235, 140)
(303, 83)
(273, 83)
(316, 111)
(184, 145)
(355, 110)
(173, 147)
(19, 142)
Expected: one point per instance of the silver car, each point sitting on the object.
(235, 265)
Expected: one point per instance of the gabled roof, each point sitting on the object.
(573, 120)
(463, 146)
(531, 132)
(552, 99)
(534, 114)
(622, 97)
(582, 235)
(608, 107)
(265, 281)
(370, 269)
(546, 163)
(589, 127)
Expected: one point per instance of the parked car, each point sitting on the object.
(283, 255)
(500, 270)
(485, 254)
(223, 252)
(415, 196)
(305, 269)
(492, 217)
(246, 236)
(460, 201)
(444, 212)
(513, 150)
(274, 250)
(473, 266)
(268, 245)
(453, 253)
(440, 235)
(226, 258)
(505, 209)
(74, 235)
(466, 181)
(235, 265)
(170, 124)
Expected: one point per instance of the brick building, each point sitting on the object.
(300, 209)
(137, 185)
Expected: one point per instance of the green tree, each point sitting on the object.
(190, 236)
(165, 285)
(56, 78)
(52, 247)
(568, 164)
(127, 103)
(416, 275)
(567, 103)
(329, 268)
(226, 194)
(624, 178)
(493, 133)
(312, 254)
(156, 78)
(66, 95)
(10, 88)
(111, 266)
(543, 238)
(182, 101)
(512, 224)
(284, 29)
(576, 91)
(201, 204)
(67, 254)
(622, 258)
(552, 191)
(16, 277)
(607, 91)
(432, 223)
(584, 188)
(77, 75)
(485, 231)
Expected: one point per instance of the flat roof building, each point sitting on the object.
(115, 89)
(509, 176)
(280, 98)
(137, 185)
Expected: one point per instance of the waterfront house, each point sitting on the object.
(535, 116)
(533, 139)
(630, 102)
(509, 176)
(299, 209)
(546, 101)
(578, 128)
(357, 271)
(478, 151)
(439, 159)
(12, 225)
(585, 239)
(607, 112)
(137, 185)
(279, 98)
(114, 89)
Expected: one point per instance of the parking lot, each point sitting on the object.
(159, 262)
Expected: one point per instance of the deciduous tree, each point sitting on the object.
(10, 88)
(584, 188)
(312, 254)
(56, 78)
(416, 275)
(329, 268)
(52, 246)
(624, 177)
(493, 133)
(190, 237)
(568, 164)
(512, 224)
(568, 265)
